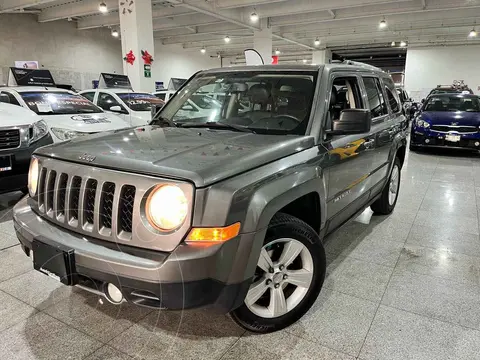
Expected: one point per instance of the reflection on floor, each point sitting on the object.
(406, 286)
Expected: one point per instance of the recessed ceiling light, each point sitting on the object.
(115, 33)
(382, 24)
(227, 39)
(304, 61)
(403, 44)
(203, 50)
(473, 33)
(317, 42)
(254, 16)
(103, 7)
(393, 43)
(277, 52)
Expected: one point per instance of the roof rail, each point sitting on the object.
(366, 66)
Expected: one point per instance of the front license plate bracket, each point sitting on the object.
(55, 261)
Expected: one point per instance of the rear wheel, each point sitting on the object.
(386, 203)
(289, 275)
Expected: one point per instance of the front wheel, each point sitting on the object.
(289, 276)
(386, 203)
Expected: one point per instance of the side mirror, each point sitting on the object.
(117, 109)
(4, 98)
(352, 121)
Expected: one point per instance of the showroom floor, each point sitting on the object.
(405, 286)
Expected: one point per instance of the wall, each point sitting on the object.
(172, 61)
(428, 67)
(74, 56)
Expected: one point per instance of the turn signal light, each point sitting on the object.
(214, 234)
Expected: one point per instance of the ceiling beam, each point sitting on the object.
(75, 9)
(90, 22)
(12, 5)
(231, 4)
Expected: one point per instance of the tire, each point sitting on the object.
(284, 232)
(384, 205)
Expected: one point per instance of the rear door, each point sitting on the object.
(351, 158)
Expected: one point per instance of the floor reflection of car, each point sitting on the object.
(66, 113)
(447, 120)
(133, 107)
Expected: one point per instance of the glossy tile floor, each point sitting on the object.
(405, 286)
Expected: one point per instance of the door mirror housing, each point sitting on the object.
(352, 121)
(4, 98)
(117, 109)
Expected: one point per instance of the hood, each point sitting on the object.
(449, 117)
(14, 115)
(202, 156)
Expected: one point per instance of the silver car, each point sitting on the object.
(227, 209)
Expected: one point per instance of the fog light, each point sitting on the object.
(477, 143)
(114, 294)
(427, 141)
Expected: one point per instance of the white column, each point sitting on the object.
(262, 42)
(321, 57)
(136, 27)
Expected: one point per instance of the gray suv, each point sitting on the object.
(225, 208)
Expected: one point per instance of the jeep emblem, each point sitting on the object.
(86, 157)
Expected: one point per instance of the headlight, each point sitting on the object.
(33, 173)
(38, 131)
(66, 134)
(166, 207)
(422, 123)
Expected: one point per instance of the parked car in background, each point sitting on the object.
(447, 120)
(21, 133)
(456, 87)
(133, 107)
(66, 113)
(229, 207)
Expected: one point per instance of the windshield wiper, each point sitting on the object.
(217, 125)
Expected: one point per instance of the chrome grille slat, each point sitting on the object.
(50, 192)
(55, 194)
(9, 139)
(109, 227)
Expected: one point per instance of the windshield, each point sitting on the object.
(58, 103)
(140, 101)
(453, 103)
(267, 102)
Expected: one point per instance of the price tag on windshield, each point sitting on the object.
(44, 108)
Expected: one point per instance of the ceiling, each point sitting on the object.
(349, 27)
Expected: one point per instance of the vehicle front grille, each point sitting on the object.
(457, 129)
(86, 203)
(9, 139)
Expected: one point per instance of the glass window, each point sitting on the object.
(375, 97)
(106, 101)
(345, 95)
(140, 101)
(89, 95)
(11, 98)
(453, 103)
(161, 96)
(392, 99)
(58, 103)
(267, 102)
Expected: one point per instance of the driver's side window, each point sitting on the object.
(345, 94)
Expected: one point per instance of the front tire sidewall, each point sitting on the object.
(306, 235)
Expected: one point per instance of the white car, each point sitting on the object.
(133, 107)
(198, 106)
(21, 133)
(66, 113)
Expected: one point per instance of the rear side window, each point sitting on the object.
(376, 102)
(391, 92)
(89, 95)
(11, 98)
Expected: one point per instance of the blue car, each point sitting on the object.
(447, 120)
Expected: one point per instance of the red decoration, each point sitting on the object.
(130, 58)
(147, 58)
(275, 60)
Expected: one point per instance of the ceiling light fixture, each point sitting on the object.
(277, 52)
(304, 61)
(103, 7)
(393, 43)
(227, 39)
(403, 44)
(317, 42)
(382, 24)
(203, 50)
(254, 16)
(115, 33)
(473, 33)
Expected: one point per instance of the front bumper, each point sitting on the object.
(188, 277)
(17, 178)
(429, 138)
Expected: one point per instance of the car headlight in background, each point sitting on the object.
(166, 208)
(66, 134)
(38, 131)
(422, 123)
(33, 173)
